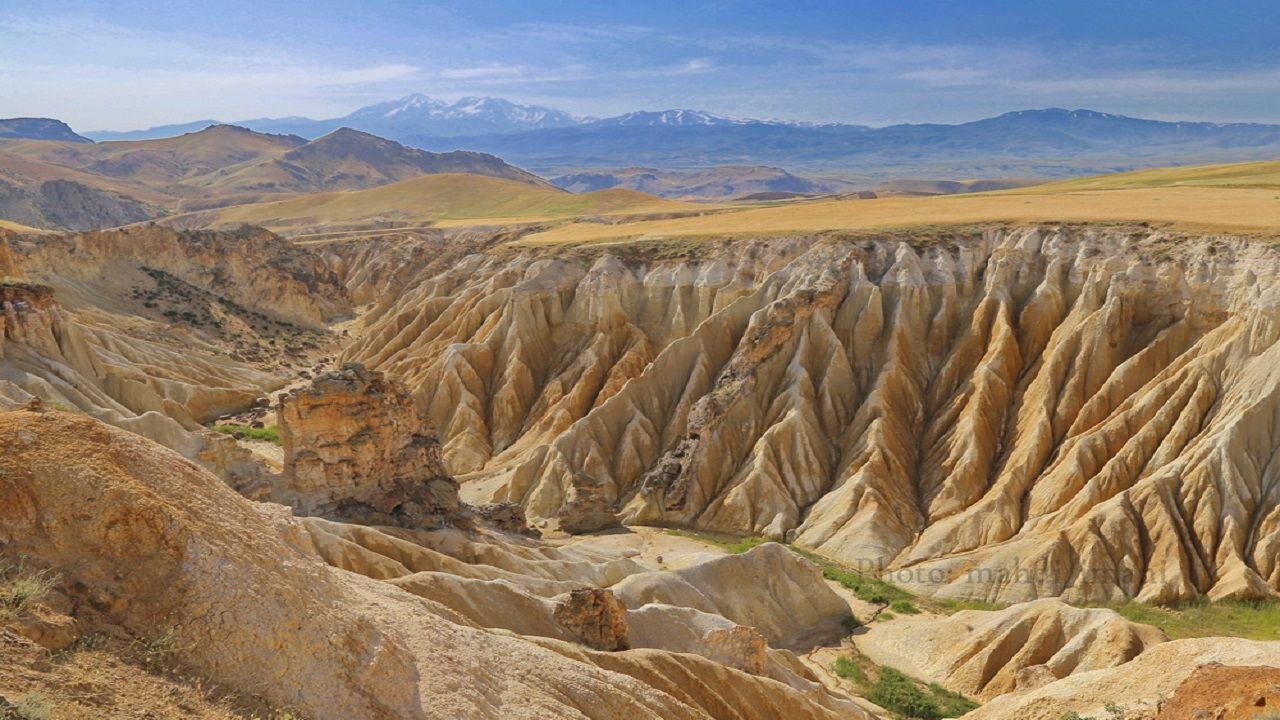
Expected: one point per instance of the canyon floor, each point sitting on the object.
(1000, 455)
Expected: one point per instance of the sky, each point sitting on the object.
(128, 64)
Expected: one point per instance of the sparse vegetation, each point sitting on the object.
(728, 543)
(898, 693)
(22, 586)
(849, 670)
(31, 706)
(903, 607)
(270, 433)
(867, 588)
(158, 653)
(1256, 620)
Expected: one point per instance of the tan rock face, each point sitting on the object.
(250, 266)
(152, 544)
(1218, 692)
(594, 617)
(984, 654)
(355, 446)
(1000, 415)
(1140, 686)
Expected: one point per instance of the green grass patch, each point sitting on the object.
(904, 607)
(849, 670)
(867, 588)
(269, 433)
(728, 543)
(886, 615)
(898, 693)
(1255, 620)
(952, 704)
(894, 691)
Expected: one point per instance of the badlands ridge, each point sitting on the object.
(481, 438)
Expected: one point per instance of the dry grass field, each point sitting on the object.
(445, 199)
(1239, 198)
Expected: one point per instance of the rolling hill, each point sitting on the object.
(715, 183)
(38, 129)
(440, 199)
(117, 182)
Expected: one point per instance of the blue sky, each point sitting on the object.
(128, 63)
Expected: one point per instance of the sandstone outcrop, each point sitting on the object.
(151, 543)
(355, 446)
(594, 617)
(1139, 686)
(1000, 415)
(984, 654)
(135, 327)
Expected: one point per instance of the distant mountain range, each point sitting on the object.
(80, 184)
(1042, 143)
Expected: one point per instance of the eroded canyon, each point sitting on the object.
(1019, 415)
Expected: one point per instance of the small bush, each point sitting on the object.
(886, 615)
(849, 670)
(158, 653)
(903, 607)
(21, 586)
(269, 433)
(898, 693)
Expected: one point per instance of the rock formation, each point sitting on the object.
(1218, 692)
(984, 654)
(355, 446)
(1139, 686)
(151, 543)
(1000, 415)
(595, 618)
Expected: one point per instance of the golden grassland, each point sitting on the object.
(1193, 209)
(1239, 198)
(444, 199)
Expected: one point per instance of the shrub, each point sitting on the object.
(269, 433)
(849, 670)
(21, 586)
(903, 607)
(898, 693)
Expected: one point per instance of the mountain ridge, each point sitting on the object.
(1044, 142)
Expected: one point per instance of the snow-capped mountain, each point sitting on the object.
(469, 116)
(672, 118)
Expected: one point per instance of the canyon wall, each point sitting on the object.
(1000, 414)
